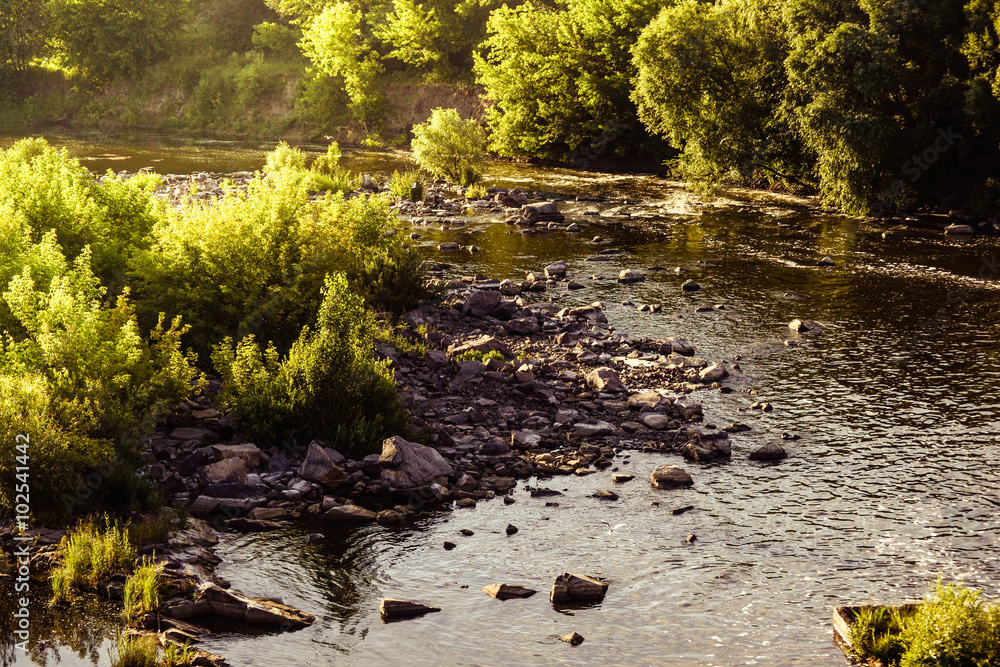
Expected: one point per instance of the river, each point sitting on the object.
(895, 479)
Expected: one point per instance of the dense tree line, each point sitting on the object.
(876, 104)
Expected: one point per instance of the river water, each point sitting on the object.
(894, 482)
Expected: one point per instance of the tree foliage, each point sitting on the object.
(22, 37)
(561, 79)
(447, 146)
(710, 78)
(103, 41)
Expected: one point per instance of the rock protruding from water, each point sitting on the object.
(629, 276)
(507, 591)
(772, 451)
(690, 286)
(320, 465)
(573, 639)
(826, 261)
(212, 600)
(540, 212)
(578, 588)
(392, 610)
(805, 326)
(408, 464)
(670, 477)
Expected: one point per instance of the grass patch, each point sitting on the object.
(478, 355)
(134, 651)
(953, 627)
(91, 554)
(406, 185)
(175, 655)
(142, 591)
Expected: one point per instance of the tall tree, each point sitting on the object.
(102, 41)
(22, 37)
(560, 79)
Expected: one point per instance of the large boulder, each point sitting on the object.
(211, 600)
(248, 451)
(556, 270)
(409, 464)
(320, 465)
(713, 373)
(541, 212)
(227, 471)
(670, 477)
(605, 379)
(481, 302)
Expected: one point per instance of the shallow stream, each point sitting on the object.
(894, 482)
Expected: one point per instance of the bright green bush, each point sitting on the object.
(952, 627)
(255, 263)
(447, 146)
(329, 385)
(401, 185)
(43, 189)
(80, 381)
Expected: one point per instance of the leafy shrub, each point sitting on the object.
(76, 376)
(42, 189)
(476, 191)
(951, 627)
(447, 146)
(256, 262)
(329, 385)
(402, 185)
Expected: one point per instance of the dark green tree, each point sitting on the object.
(560, 79)
(877, 90)
(103, 41)
(711, 78)
(22, 37)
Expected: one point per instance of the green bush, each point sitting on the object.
(447, 146)
(256, 262)
(329, 385)
(952, 627)
(42, 189)
(402, 185)
(76, 376)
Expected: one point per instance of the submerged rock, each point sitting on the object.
(507, 591)
(392, 609)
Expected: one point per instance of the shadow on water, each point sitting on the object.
(78, 634)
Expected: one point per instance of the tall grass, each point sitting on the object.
(142, 591)
(91, 555)
(134, 651)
